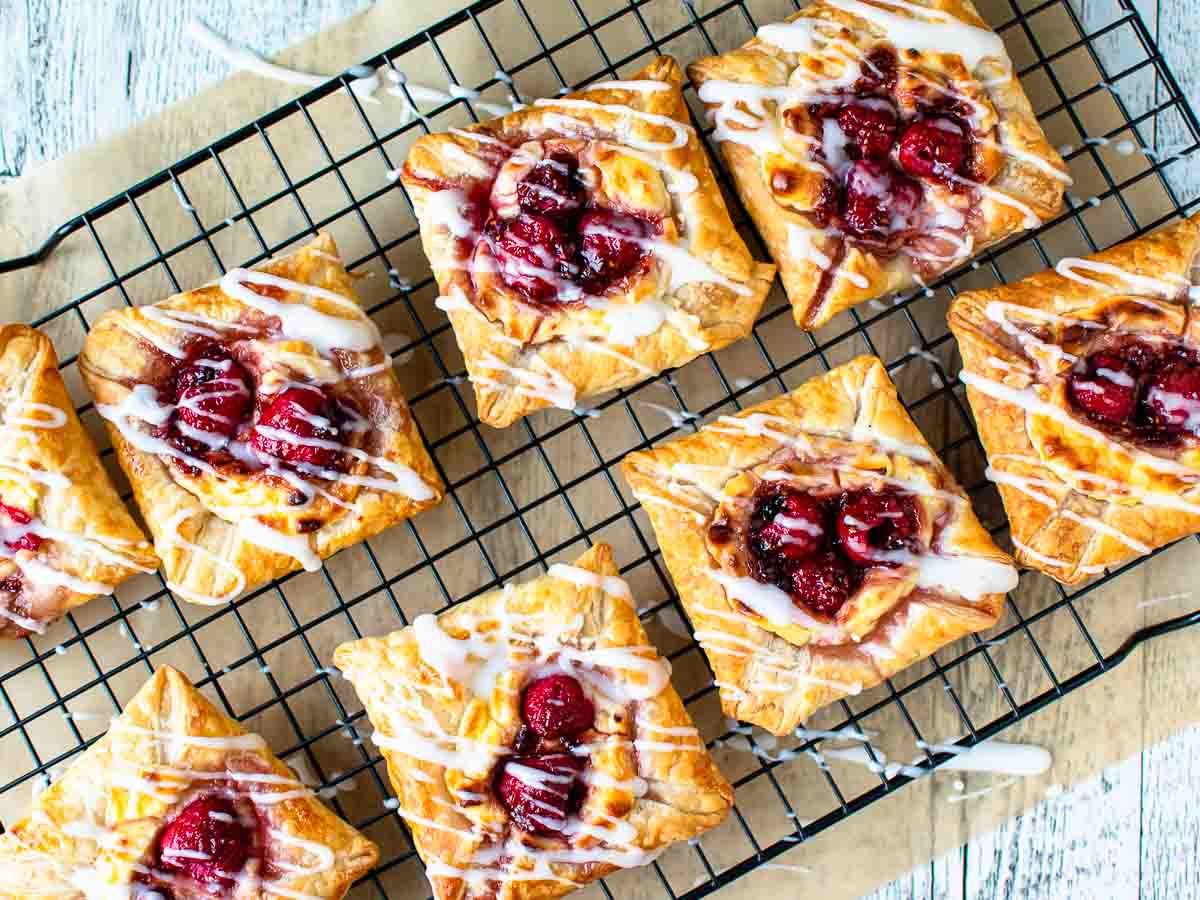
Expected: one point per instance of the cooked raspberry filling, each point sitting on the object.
(556, 706)
(206, 842)
(11, 520)
(1142, 392)
(819, 549)
(296, 426)
(215, 398)
(541, 786)
(879, 162)
(557, 245)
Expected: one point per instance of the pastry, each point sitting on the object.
(877, 144)
(65, 535)
(1085, 384)
(533, 738)
(818, 545)
(176, 801)
(581, 244)
(259, 422)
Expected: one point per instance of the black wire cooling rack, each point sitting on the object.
(543, 489)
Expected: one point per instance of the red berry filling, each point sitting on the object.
(874, 157)
(1106, 389)
(611, 246)
(212, 394)
(818, 550)
(823, 582)
(872, 525)
(556, 706)
(877, 201)
(541, 786)
(796, 527)
(25, 540)
(539, 792)
(1141, 392)
(206, 842)
(933, 148)
(557, 245)
(552, 188)
(533, 254)
(870, 130)
(297, 427)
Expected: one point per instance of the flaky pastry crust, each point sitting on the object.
(700, 290)
(234, 524)
(67, 536)
(654, 781)
(94, 830)
(1080, 500)
(843, 431)
(794, 69)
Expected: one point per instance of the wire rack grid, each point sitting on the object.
(542, 490)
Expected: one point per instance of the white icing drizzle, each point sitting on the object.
(547, 384)
(680, 132)
(46, 416)
(1142, 284)
(297, 546)
(929, 30)
(609, 584)
(301, 322)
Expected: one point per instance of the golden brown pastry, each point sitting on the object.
(876, 144)
(533, 737)
(581, 244)
(1085, 383)
(65, 535)
(177, 800)
(818, 545)
(259, 422)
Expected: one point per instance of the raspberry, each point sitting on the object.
(933, 148)
(15, 513)
(872, 524)
(556, 706)
(1172, 398)
(206, 842)
(878, 202)
(788, 524)
(1106, 389)
(533, 254)
(822, 583)
(606, 257)
(871, 129)
(306, 413)
(552, 188)
(539, 792)
(212, 393)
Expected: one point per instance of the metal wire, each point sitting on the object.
(907, 332)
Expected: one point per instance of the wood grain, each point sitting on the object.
(79, 73)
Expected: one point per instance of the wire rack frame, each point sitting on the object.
(873, 328)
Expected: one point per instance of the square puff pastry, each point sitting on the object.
(842, 435)
(446, 699)
(1087, 489)
(650, 272)
(779, 105)
(65, 535)
(275, 484)
(96, 831)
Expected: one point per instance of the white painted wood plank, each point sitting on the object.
(1170, 819)
(1079, 845)
(75, 73)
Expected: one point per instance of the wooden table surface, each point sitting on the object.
(75, 73)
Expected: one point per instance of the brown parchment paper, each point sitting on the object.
(1142, 702)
